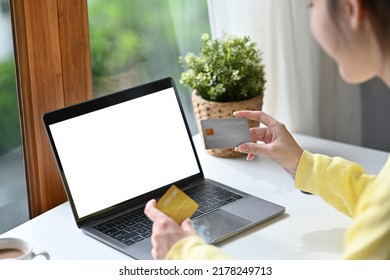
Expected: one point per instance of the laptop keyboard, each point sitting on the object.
(128, 228)
(210, 197)
(135, 226)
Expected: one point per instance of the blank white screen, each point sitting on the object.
(120, 152)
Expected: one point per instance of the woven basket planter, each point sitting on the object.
(204, 109)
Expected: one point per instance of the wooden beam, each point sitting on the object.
(75, 50)
(50, 36)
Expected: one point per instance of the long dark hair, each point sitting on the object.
(378, 12)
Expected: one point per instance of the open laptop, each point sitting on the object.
(116, 152)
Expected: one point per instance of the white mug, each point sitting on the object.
(18, 249)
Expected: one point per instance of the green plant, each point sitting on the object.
(114, 43)
(227, 69)
(9, 114)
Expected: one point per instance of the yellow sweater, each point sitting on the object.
(366, 198)
(344, 185)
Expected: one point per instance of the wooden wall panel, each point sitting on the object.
(75, 51)
(50, 37)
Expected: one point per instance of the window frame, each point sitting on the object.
(53, 66)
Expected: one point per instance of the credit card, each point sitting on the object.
(225, 132)
(177, 205)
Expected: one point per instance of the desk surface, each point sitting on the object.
(310, 229)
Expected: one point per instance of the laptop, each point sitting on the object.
(116, 152)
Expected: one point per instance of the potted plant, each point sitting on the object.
(228, 75)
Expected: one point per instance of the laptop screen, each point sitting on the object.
(124, 150)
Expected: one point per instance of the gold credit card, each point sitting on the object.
(177, 205)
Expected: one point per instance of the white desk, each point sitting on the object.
(310, 229)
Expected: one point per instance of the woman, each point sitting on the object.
(356, 34)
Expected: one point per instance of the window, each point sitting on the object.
(133, 42)
(54, 69)
(13, 190)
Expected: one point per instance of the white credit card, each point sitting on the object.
(225, 133)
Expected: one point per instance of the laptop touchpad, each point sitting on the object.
(216, 225)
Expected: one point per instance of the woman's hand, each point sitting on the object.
(166, 232)
(278, 143)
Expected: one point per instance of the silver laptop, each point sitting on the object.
(116, 152)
